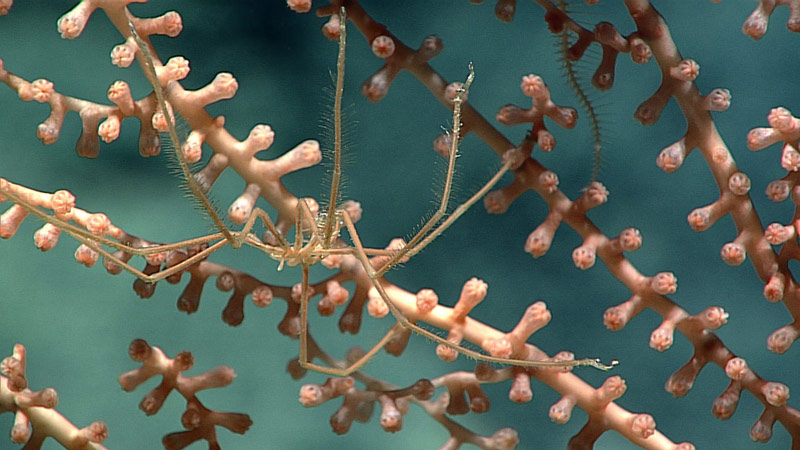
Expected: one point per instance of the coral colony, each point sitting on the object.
(243, 184)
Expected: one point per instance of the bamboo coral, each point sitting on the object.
(268, 60)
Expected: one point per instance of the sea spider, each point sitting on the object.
(316, 237)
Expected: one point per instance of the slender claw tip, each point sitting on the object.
(614, 362)
(598, 365)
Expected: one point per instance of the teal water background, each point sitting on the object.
(77, 322)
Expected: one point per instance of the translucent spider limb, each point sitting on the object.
(328, 232)
(304, 339)
(418, 242)
(194, 187)
(22, 197)
(403, 321)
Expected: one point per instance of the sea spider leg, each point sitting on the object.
(19, 195)
(148, 63)
(330, 231)
(242, 236)
(307, 254)
(303, 357)
(161, 274)
(418, 242)
(403, 321)
(304, 252)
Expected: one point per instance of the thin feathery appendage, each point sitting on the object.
(325, 180)
(438, 189)
(177, 168)
(576, 83)
(378, 285)
(91, 230)
(509, 161)
(418, 226)
(327, 232)
(327, 124)
(194, 189)
(422, 237)
(460, 180)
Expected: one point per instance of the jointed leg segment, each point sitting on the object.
(403, 321)
(313, 240)
(335, 371)
(417, 243)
